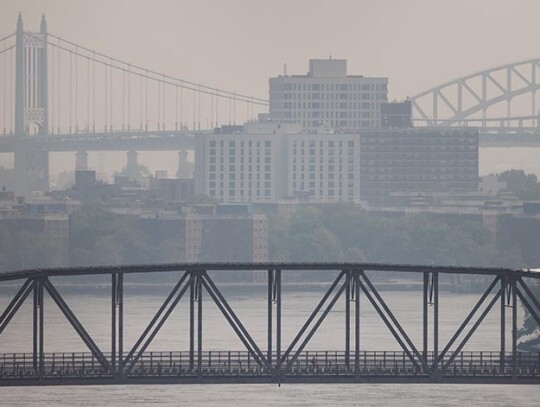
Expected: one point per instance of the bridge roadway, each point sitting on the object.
(114, 141)
(175, 140)
(79, 368)
(430, 361)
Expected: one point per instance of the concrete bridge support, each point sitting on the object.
(81, 161)
(31, 171)
(184, 167)
(132, 166)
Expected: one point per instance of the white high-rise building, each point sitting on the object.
(269, 162)
(327, 97)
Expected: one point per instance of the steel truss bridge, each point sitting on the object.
(275, 361)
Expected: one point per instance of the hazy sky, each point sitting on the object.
(238, 44)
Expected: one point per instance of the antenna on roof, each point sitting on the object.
(285, 69)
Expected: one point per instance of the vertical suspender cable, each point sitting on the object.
(199, 109)
(163, 103)
(234, 108)
(146, 104)
(51, 113)
(94, 93)
(11, 95)
(158, 105)
(129, 98)
(76, 89)
(4, 91)
(70, 89)
(58, 84)
(140, 102)
(106, 97)
(194, 111)
(123, 97)
(111, 95)
(87, 127)
(181, 106)
(212, 110)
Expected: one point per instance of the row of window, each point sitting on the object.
(366, 87)
(331, 96)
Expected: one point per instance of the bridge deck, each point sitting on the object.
(240, 367)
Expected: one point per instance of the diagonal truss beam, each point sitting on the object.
(525, 301)
(475, 326)
(162, 315)
(311, 318)
(394, 320)
(70, 316)
(16, 303)
(529, 292)
(233, 320)
(468, 319)
(389, 325)
(319, 320)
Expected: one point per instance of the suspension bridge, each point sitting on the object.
(72, 98)
(430, 361)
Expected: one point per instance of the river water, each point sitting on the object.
(93, 309)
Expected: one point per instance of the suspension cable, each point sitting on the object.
(204, 88)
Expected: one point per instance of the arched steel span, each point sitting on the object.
(468, 95)
(415, 362)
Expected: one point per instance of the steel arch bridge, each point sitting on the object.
(468, 100)
(430, 361)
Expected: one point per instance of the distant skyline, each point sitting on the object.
(239, 44)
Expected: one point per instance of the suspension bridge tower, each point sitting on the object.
(31, 110)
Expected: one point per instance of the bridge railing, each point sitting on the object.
(242, 363)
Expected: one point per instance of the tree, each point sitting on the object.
(524, 186)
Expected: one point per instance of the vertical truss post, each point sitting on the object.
(278, 321)
(120, 285)
(435, 282)
(199, 323)
(356, 277)
(114, 303)
(117, 323)
(503, 323)
(348, 318)
(38, 328)
(270, 319)
(425, 317)
(191, 321)
(514, 326)
(41, 327)
(35, 326)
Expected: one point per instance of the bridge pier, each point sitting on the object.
(132, 166)
(31, 171)
(184, 169)
(81, 161)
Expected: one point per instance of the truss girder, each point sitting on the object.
(349, 284)
(520, 79)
